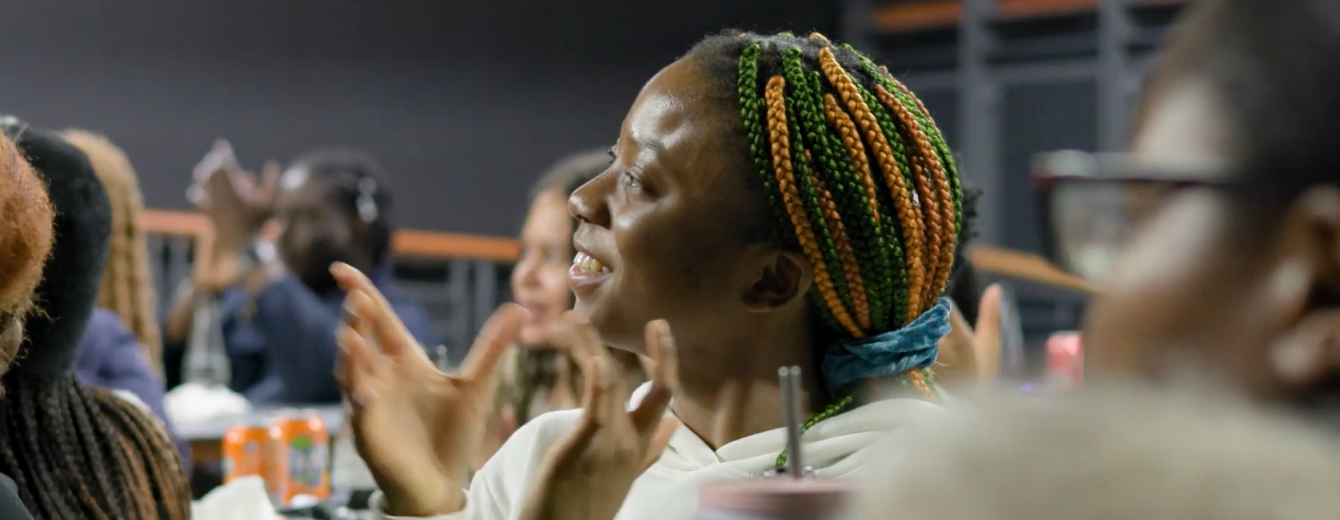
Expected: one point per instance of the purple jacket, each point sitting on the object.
(109, 356)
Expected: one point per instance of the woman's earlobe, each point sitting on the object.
(783, 280)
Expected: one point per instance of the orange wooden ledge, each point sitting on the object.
(439, 245)
(406, 242)
(1026, 266)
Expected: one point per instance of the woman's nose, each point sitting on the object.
(524, 273)
(590, 202)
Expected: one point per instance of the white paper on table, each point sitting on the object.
(242, 499)
(193, 403)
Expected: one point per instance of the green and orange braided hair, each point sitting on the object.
(857, 175)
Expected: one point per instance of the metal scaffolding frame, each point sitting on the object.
(988, 60)
(1110, 46)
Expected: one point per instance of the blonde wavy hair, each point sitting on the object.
(127, 288)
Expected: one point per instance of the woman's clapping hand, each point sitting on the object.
(415, 426)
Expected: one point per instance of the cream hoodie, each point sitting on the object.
(839, 447)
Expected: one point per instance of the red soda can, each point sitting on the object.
(1065, 360)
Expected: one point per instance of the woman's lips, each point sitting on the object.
(587, 271)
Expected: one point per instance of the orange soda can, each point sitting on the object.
(307, 444)
(255, 448)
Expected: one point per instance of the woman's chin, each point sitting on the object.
(615, 330)
(533, 335)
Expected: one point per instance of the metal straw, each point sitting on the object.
(789, 377)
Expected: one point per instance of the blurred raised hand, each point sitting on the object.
(415, 426)
(236, 202)
(970, 354)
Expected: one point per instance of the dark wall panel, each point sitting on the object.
(943, 106)
(1040, 118)
(464, 102)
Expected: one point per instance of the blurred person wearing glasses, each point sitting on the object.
(1225, 216)
(1223, 226)
(279, 303)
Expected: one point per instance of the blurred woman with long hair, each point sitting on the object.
(122, 347)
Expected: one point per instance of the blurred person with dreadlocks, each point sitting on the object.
(280, 304)
(111, 355)
(77, 451)
(776, 201)
(536, 376)
(24, 244)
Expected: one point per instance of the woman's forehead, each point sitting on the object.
(676, 124)
(669, 109)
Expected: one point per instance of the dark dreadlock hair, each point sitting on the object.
(345, 173)
(855, 171)
(76, 452)
(965, 289)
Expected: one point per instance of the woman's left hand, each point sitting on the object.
(587, 475)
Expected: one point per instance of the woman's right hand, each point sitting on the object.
(416, 427)
(236, 202)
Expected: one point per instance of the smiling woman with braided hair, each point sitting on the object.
(76, 452)
(777, 201)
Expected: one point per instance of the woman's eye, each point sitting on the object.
(631, 180)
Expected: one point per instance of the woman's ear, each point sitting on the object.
(780, 278)
(1320, 210)
(1304, 291)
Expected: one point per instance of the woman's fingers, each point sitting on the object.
(659, 440)
(664, 377)
(498, 333)
(269, 180)
(665, 356)
(357, 367)
(350, 278)
(391, 328)
(986, 336)
(595, 402)
(343, 377)
(377, 328)
(602, 402)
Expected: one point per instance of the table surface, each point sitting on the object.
(331, 415)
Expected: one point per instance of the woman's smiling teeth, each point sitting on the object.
(585, 264)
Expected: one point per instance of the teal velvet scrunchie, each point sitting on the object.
(894, 352)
